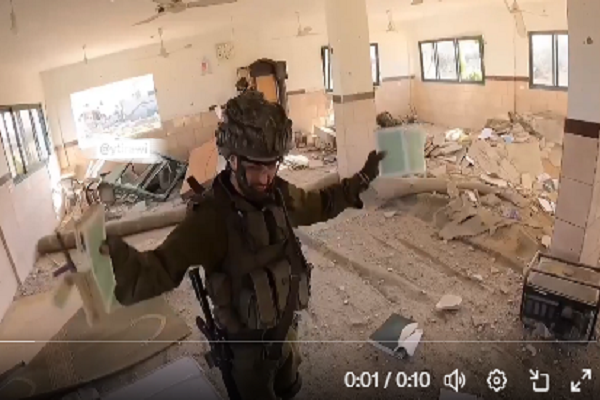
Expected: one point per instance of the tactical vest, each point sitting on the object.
(250, 290)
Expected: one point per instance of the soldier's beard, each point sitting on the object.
(249, 191)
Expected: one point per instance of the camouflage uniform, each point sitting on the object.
(242, 243)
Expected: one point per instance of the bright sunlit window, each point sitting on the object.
(120, 109)
(452, 60)
(328, 74)
(549, 59)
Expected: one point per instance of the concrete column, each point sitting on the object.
(353, 94)
(577, 226)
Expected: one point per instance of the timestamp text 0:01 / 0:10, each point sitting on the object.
(387, 379)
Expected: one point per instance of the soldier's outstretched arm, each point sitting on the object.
(310, 207)
(141, 275)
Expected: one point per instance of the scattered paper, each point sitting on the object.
(454, 134)
(547, 205)
(471, 195)
(486, 133)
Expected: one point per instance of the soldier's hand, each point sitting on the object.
(371, 168)
(104, 249)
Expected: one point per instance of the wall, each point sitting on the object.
(184, 95)
(26, 211)
(506, 58)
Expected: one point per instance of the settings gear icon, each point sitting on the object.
(496, 380)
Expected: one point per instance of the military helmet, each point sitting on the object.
(254, 128)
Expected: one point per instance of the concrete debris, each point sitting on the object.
(494, 181)
(547, 205)
(546, 241)
(296, 161)
(532, 350)
(509, 151)
(461, 219)
(449, 302)
(387, 120)
(486, 133)
(490, 200)
(526, 182)
(455, 135)
(471, 195)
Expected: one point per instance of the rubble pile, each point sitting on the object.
(518, 152)
(386, 120)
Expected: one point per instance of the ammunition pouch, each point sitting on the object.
(262, 303)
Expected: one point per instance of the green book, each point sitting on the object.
(91, 234)
(398, 336)
(405, 147)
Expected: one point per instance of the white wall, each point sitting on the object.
(506, 53)
(182, 90)
(26, 211)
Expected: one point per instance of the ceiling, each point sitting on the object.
(52, 33)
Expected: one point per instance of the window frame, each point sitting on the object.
(456, 40)
(555, 86)
(29, 166)
(328, 83)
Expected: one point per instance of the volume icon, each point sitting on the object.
(455, 380)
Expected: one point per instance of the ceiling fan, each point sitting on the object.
(13, 19)
(517, 14)
(301, 31)
(391, 27)
(164, 7)
(163, 53)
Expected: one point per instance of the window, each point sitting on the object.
(24, 138)
(120, 109)
(327, 71)
(452, 60)
(549, 59)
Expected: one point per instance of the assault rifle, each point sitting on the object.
(220, 354)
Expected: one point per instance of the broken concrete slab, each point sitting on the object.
(449, 302)
(488, 159)
(525, 157)
(549, 125)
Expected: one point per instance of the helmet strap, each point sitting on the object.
(242, 180)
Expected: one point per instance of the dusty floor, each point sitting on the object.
(368, 266)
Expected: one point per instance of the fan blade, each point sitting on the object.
(148, 19)
(13, 23)
(520, 24)
(207, 3)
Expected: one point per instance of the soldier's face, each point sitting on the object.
(259, 175)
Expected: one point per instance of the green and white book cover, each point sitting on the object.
(92, 234)
(405, 147)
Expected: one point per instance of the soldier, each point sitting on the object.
(238, 232)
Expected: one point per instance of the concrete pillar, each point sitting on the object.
(577, 226)
(353, 94)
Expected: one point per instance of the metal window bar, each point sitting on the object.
(44, 127)
(30, 159)
(14, 171)
(18, 140)
(554, 60)
(35, 137)
(457, 60)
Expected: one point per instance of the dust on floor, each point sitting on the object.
(368, 264)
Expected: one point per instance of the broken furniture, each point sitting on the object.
(155, 183)
(563, 296)
(203, 165)
(266, 76)
(181, 379)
